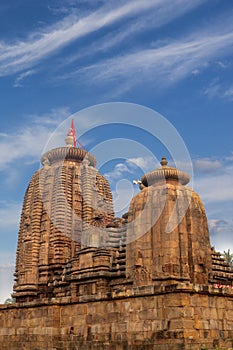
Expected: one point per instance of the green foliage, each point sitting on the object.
(216, 348)
(229, 257)
(9, 301)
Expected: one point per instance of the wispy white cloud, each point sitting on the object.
(27, 142)
(19, 80)
(214, 183)
(223, 64)
(167, 63)
(216, 226)
(123, 188)
(119, 170)
(9, 215)
(220, 91)
(213, 90)
(21, 55)
(217, 188)
(221, 232)
(229, 93)
(213, 180)
(131, 166)
(164, 12)
(213, 176)
(59, 7)
(207, 165)
(145, 163)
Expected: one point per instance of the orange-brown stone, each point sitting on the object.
(87, 280)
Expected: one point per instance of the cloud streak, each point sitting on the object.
(130, 166)
(164, 12)
(21, 55)
(207, 165)
(169, 63)
(213, 179)
(22, 76)
(28, 142)
(219, 91)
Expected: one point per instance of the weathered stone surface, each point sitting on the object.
(182, 254)
(87, 280)
(63, 199)
(127, 323)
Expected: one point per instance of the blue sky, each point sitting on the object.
(58, 57)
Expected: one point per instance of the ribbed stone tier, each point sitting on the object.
(85, 279)
(64, 199)
(68, 153)
(165, 174)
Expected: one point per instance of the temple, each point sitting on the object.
(148, 280)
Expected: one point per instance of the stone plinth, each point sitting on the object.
(172, 317)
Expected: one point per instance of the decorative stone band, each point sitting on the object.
(165, 173)
(67, 153)
(223, 286)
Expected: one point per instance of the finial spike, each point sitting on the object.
(71, 136)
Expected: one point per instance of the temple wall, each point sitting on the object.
(184, 253)
(175, 317)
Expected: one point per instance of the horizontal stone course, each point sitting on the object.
(120, 324)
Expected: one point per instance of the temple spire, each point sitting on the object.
(71, 136)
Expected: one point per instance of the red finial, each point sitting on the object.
(72, 133)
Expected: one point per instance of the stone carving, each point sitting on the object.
(57, 206)
(45, 162)
(71, 248)
(95, 280)
(141, 274)
(76, 217)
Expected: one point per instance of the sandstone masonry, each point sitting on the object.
(87, 280)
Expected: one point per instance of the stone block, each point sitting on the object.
(150, 314)
(213, 324)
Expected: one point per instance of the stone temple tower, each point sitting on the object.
(85, 279)
(70, 243)
(168, 237)
(64, 200)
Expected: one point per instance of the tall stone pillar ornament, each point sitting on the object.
(175, 242)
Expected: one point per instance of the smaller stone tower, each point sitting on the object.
(167, 236)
